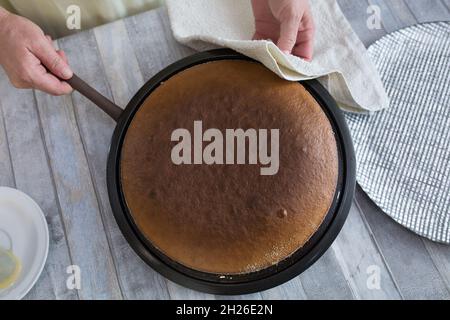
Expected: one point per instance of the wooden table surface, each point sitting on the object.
(55, 150)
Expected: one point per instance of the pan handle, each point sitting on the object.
(96, 97)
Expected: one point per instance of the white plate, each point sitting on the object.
(25, 223)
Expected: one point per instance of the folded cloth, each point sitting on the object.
(340, 59)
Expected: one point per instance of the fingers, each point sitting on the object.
(304, 50)
(288, 33)
(62, 54)
(305, 42)
(27, 55)
(258, 36)
(49, 57)
(38, 77)
(42, 80)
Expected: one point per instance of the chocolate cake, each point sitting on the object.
(229, 218)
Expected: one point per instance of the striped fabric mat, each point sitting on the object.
(403, 153)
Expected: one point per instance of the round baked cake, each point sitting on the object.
(225, 218)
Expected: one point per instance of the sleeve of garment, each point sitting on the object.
(51, 15)
(7, 5)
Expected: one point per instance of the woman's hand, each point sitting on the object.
(26, 54)
(289, 23)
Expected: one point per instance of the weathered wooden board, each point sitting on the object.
(410, 263)
(358, 250)
(395, 14)
(85, 230)
(154, 46)
(55, 149)
(430, 10)
(96, 129)
(357, 14)
(6, 172)
(33, 176)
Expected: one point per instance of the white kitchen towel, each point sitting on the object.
(340, 59)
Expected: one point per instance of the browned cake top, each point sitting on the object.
(229, 219)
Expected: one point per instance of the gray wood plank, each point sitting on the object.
(430, 10)
(440, 254)
(409, 261)
(137, 280)
(291, 290)
(251, 296)
(395, 14)
(153, 43)
(79, 207)
(6, 172)
(119, 60)
(356, 14)
(447, 5)
(178, 292)
(359, 252)
(32, 176)
(326, 280)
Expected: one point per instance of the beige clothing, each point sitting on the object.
(52, 15)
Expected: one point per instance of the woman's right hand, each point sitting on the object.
(288, 23)
(27, 53)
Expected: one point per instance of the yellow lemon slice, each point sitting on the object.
(10, 267)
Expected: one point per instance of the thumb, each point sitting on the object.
(50, 58)
(288, 34)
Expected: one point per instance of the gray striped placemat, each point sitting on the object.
(403, 153)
